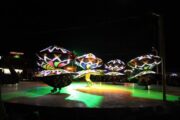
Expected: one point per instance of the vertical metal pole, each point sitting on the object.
(162, 54)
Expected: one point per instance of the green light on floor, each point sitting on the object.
(150, 94)
(30, 93)
(90, 100)
(92, 97)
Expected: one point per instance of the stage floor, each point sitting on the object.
(78, 95)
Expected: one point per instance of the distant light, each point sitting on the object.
(0, 57)
(7, 71)
(173, 74)
(16, 53)
(18, 70)
(17, 56)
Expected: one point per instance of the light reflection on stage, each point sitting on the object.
(78, 94)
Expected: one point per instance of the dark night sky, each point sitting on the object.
(110, 29)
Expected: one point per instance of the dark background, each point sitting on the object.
(110, 29)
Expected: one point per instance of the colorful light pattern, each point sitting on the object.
(88, 62)
(145, 62)
(44, 73)
(142, 74)
(54, 57)
(52, 61)
(143, 65)
(82, 73)
(115, 67)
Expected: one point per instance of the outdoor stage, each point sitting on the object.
(78, 95)
(33, 101)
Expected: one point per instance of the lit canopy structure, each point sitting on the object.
(88, 63)
(88, 60)
(143, 65)
(51, 61)
(54, 57)
(115, 67)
